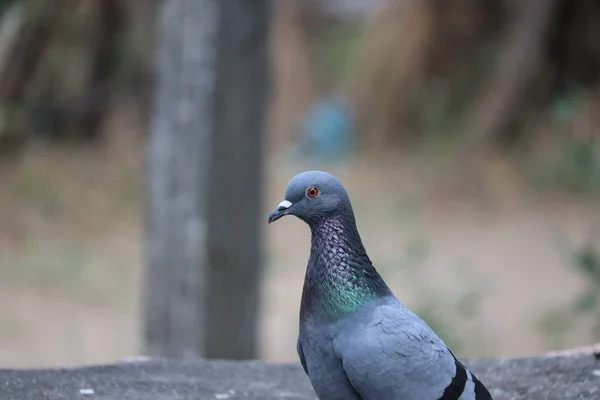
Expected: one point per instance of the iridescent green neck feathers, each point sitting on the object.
(340, 276)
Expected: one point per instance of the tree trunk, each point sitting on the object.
(235, 218)
(143, 15)
(179, 153)
(109, 27)
(20, 63)
(293, 77)
(27, 50)
(503, 96)
(205, 182)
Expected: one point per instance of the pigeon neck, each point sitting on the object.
(340, 276)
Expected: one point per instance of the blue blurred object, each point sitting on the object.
(327, 130)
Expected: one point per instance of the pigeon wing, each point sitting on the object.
(301, 356)
(393, 354)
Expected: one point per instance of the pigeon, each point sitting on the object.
(356, 340)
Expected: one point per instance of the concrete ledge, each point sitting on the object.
(562, 376)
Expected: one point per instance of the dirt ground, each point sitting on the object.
(491, 277)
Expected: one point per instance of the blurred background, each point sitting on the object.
(465, 131)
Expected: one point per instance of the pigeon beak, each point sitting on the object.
(281, 210)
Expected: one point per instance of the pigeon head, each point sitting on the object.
(313, 196)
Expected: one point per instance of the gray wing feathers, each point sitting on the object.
(393, 354)
(301, 356)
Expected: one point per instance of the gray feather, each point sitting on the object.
(388, 352)
(356, 340)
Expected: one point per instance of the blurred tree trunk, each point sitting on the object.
(143, 14)
(236, 194)
(416, 61)
(294, 77)
(23, 57)
(205, 182)
(502, 97)
(179, 157)
(27, 50)
(390, 61)
(108, 26)
(466, 65)
(32, 95)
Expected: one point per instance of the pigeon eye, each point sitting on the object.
(312, 192)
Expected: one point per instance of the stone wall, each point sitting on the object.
(559, 376)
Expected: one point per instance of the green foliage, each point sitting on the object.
(587, 261)
(554, 325)
(578, 167)
(431, 312)
(580, 171)
(575, 170)
(564, 108)
(416, 251)
(12, 119)
(447, 314)
(407, 211)
(5, 5)
(334, 48)
(557, 323)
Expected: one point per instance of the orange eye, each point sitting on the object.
(312, 192)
